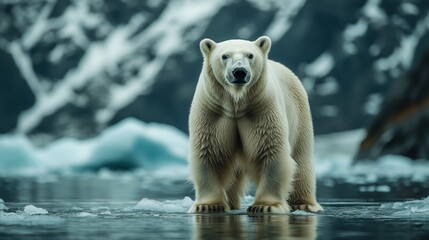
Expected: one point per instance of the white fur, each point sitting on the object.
(261, 131)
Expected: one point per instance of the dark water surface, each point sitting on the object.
(89, 206)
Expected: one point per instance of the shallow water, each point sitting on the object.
(108, 206)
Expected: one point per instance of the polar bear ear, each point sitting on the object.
(207, 45)
(264, 43)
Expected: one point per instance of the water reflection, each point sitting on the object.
(210, 226)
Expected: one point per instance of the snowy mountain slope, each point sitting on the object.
(72, 68)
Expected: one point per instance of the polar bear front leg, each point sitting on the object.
(210, 195)
(274, 183)
(303, 195)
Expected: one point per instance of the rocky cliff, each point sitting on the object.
(401, 127)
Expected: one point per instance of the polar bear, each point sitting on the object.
(250, 119)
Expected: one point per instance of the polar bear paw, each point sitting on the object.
(314, 208)
(274, 208)
(208, 208)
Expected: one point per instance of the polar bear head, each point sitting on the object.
(236, 64)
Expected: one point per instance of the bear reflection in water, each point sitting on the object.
(216, 226)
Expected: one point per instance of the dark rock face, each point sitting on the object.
(91, 64)
(402, 127)
(15, 94)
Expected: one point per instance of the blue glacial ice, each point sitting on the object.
(161, 149)
(128, 145)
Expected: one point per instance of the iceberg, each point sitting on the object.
(128, 145)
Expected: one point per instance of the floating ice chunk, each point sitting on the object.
(416, 207)
(106, 213)
(165, 206)
(303, 213)
(86, 214)
(2, 206)
(32, 210)
(24, 219)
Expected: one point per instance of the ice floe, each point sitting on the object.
(408, 208)
(31, 216)
(164, 206)
(86, 214)
(32, 210)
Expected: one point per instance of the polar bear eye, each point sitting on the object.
(224, 57)
(250, 56)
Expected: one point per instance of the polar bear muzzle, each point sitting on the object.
(240, 75)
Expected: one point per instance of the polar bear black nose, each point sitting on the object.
(239, 74)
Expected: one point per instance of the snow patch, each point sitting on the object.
(329, 87)
(287, 10)
(32, 210)
(165, 206)
(409, 8)
(404, 54)
(373, 104)
(321, 66)
(374, 12)
(352, 32)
